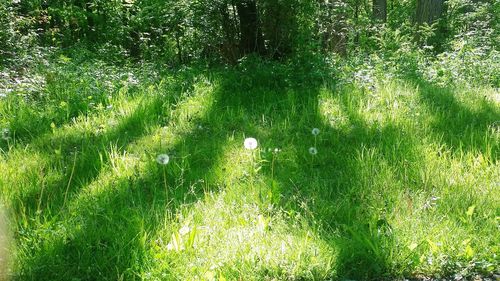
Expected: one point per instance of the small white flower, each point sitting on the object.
(163, 159)
(315, 131)
(250, 143)
(313, 151)
(184, 230)
(5, 134)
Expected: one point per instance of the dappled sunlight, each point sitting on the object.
(133, 160)
(25, 173)
(223, 234)
(255, 140)
(338, 180)
(183, 119)
(461, 118)
(404, 180)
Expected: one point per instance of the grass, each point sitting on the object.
(405, 182)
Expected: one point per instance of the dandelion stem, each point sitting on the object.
(272, 167)
(41, 193)
(165, 183)
(70, 179)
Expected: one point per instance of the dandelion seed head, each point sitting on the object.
(250, 143)
(313, 150)
(184, 230)
(163, 159)
(5, 134)
(315, 131)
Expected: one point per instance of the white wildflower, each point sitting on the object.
(5, 134)
(250, 143)
(163, 159)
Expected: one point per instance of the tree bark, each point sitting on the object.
(251, 38)
(334, 30)
(229, 48)
(90, 32)
(380, 10)
(428, 11)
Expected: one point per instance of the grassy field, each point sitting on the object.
(405, 181)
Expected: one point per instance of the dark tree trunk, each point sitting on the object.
(90, 32)
(380, 10)
(251, 38)
(432, 12)
(334, 36)
(356, 21)
(179, 45)
(428, 11)
(229, 48)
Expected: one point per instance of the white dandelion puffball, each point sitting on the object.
(163, 159)
(313, 151)
(5, 134)
(250, 143)
(184, 230)
(315, 131)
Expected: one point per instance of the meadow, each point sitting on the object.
(393, 178)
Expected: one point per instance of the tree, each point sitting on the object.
(428, 11)
(251, 38)
(431, 25)
(380, 10)
(333, 26)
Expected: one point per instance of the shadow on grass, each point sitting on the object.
(460, 127)
(277, 106)
(280, 109)
(101, 237)
(80, 158)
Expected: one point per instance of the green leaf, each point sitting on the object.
(469, 252)
(470, 211)
(412, 246)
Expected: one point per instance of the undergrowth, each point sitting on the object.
(403, 180)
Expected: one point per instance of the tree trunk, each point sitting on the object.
(380, 10)
(90, 32)
(334, 26)
(251, 38)
(229, 48)
(428, 11)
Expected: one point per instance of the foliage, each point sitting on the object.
(388, 193)
(123, 125)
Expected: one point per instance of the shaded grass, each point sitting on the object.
(404, 182)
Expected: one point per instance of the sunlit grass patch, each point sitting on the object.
(227, 174)
(226, 238)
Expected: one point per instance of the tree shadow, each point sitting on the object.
(277, 97)
(460, 127)
(279, 105)
(101, 236)
(368, 241)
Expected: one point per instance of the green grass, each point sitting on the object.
(405, 182)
